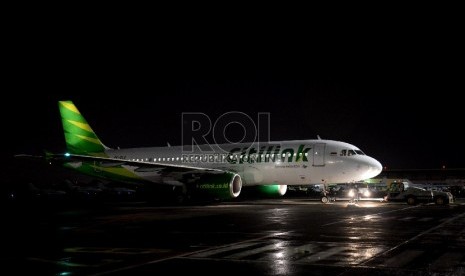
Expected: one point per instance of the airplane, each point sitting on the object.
(215, 170)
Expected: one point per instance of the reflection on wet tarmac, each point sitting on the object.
(261, 237)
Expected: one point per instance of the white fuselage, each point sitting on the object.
(296, 162)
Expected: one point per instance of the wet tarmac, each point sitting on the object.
(256, 237)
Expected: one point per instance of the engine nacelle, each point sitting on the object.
(218, 186)
(272, 190)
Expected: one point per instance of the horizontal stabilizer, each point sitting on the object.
(29, 157)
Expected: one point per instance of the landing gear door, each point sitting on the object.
(319, 154)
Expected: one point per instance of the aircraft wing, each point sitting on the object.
(171, 174)
(141, 166)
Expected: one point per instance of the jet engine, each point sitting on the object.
(218, 186)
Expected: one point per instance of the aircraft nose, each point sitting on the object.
(374, 167)
(377, 166)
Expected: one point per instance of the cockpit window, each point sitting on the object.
(346, 152)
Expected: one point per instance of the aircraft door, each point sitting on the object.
(319, 154)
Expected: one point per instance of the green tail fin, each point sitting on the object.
(80, 138)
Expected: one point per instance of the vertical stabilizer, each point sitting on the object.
(79, 136)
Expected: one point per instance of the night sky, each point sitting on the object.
(400, 105)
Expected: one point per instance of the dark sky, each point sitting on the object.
(399, 103)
